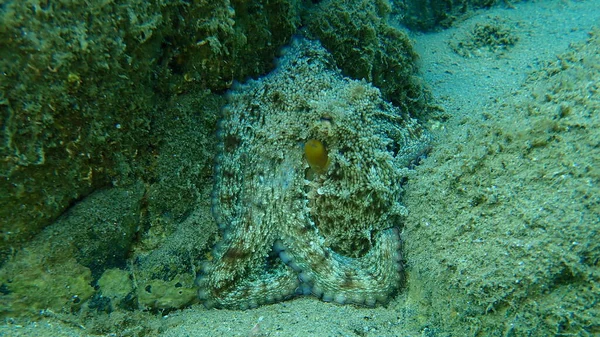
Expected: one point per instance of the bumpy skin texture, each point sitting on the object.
(289, 230)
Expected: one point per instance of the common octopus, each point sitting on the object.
(289, 229)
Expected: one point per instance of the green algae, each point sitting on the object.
(176, 293)
(365, 45)
(33, 286)
(83, 84)
(56, 271)
(115, 285)
(493, 37)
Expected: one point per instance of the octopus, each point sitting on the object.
(321, 221)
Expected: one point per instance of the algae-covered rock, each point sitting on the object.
(164, 267)
(178, 217)
(115, 290)
(217, 42)
(102, 227)
(366, 46)
(32, 284)
(81, 86)
(56, 270)
(182, 167)
(429, 14)
(74, 102)
(493, 37)
(115, 283)
(159, 294)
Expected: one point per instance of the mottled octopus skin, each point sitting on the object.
(287, 231)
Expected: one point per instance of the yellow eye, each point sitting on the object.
(316, 155)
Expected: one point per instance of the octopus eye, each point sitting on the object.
(316, 155)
